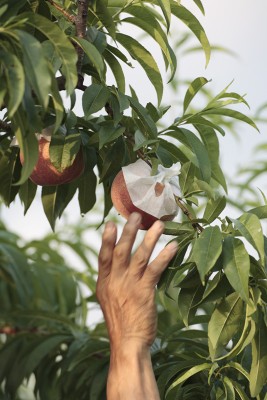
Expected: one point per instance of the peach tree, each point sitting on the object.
(63, 68)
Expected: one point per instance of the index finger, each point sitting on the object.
(105, 257)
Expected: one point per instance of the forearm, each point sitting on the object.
(131, 375)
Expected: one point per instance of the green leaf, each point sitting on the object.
(236, 265)
(229, 388)
(225, 322)
(148, 126)
(258, 371)
(200, 6)
(189, 139)
(206, 250)
(87, 198)
(193, 89)
(186, 375)
(116, 69)
(27, 193)
(260, 212)
(15, 80)
(214, 208)
(94, 99)
(245, 339)
(240, 391)
(194, 25)
(188, 298)
(55, 199)
(232, 114)
(145, 59)
(28, 146)
(62, 45)
(108, 133)
(145, 20)
(166, 10)
(64, 149)
(58, 103)
(211, 143)
(105, 17)
(186, 177)
(93, 55)
(8, 174)
(250, 227)
(36, 67)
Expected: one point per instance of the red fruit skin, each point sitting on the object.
(122, 202)
(46, 174)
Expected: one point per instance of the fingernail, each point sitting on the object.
(173, 246)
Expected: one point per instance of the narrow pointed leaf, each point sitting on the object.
(232, 114)
(194, 25)
(145, 59)
(93, 55)
(193, 89)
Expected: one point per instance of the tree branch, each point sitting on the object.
(81, 23)
(61, 82)
(4, 126)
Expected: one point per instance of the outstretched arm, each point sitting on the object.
(126, 292)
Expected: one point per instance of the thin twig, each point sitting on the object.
(67, 15)
(195, 225)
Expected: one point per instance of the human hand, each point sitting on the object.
(126, 284)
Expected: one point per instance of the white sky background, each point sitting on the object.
(239, 25)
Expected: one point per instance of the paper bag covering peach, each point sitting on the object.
(135, 189)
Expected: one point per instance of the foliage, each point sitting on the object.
(211, 332)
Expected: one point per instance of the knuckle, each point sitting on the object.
(140, 258)
(119, 253)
